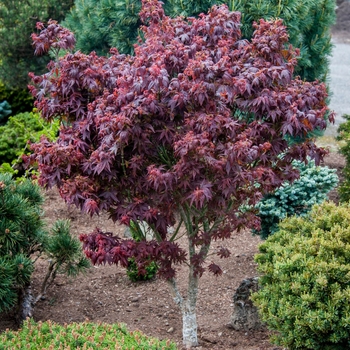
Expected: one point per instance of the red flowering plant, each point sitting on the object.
(189, 132)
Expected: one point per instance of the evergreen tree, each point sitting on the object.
(17, 22)
(22, 235)
(102, 24)
(308, 23)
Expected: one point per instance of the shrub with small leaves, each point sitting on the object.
(344, 135)
(16, 133)
(305, 289)
(296, 198)
(86, 335)
(136, 274)
(143, 270)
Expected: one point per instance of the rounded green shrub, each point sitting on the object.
(86, 335)
(305, 287)
(20, 129)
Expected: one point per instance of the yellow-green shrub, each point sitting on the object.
(305, 289)
(344, 135)
(86, 335)
(15, 134)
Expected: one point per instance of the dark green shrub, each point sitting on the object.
(5, 111)
(23, 238)
(19, 98)
(297, 198)
(86, 335)
(148, 269)
(18, 19)
(147, 273)
(16, 133)
(344, 135)
(305, 289)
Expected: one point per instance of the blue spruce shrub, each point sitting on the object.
(297, 198)
(5, 111)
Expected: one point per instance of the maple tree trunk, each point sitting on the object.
(189, 318)
(188, 305)
(188, 309)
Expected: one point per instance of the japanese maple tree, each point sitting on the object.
(189, 132)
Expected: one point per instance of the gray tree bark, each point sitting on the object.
(25, 304)
(188, 309)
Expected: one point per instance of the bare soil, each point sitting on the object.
(106, 294)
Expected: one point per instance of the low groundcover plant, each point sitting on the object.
(86, 335)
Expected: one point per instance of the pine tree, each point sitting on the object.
(100, 25)
(22, 236)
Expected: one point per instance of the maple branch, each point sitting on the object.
(178, 299)
(173, 237)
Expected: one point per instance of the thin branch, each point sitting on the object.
(177, 230)
(178, 299)
(51, 273)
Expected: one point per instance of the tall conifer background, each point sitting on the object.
(100, 25)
